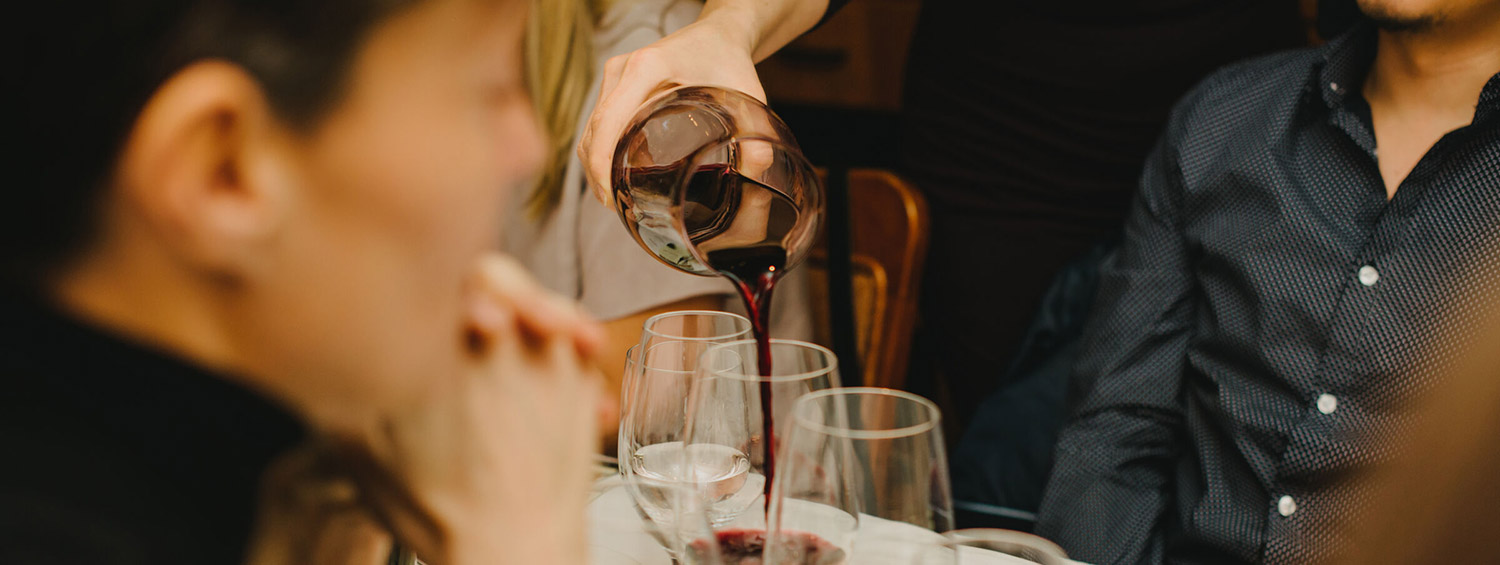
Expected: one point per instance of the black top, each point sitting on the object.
(1268, 313)
(115, 453)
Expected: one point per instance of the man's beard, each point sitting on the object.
(1382, 16)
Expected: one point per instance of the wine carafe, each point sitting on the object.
(711, 182)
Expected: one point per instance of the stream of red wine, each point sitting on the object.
(754, 271)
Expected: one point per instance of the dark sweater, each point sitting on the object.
(115, 453)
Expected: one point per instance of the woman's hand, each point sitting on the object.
(719, 49)
(496, 468)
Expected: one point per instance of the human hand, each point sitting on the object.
(496, 467)
(716, 50)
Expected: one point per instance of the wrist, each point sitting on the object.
(733, 22)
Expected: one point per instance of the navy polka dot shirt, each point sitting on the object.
(1267, 316)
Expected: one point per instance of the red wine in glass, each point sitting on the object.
(748, 547)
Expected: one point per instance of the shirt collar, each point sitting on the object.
(1346, 61)
(1489, 99)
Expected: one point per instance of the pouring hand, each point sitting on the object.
(719, 49)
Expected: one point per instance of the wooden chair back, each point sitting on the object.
(888, 224)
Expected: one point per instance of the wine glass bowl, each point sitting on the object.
(861, 466)
(740, 406)
(651, 447)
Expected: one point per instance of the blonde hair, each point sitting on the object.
(559, 52)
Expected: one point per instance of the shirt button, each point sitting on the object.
(1286, 506)
(1327, 403)
(1368, 276)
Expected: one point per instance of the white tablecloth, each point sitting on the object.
(618, 535)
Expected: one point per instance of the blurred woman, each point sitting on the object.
(235, 231)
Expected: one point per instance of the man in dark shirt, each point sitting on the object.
(1308, 245)
(230, 226)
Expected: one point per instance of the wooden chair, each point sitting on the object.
(888, 228)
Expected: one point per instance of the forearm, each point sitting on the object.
(762, 26)
(1111, 485)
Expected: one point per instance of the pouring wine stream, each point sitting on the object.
(754, 271)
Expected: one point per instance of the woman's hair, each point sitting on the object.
(81, 74)
(559, 73)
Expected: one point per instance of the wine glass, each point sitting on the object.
(702, 170)
(736, 415)
(862, 469)
(651, 443)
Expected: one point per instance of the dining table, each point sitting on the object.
(620, 536)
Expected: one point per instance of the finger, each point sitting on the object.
(613, 68)
(488, 319)
(540, 314)
(504, 281)
(591, 338)
(756, 157)
(588, 336)
(641, 74)
(598, 180)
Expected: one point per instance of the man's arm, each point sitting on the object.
(719, 49)
(1112, 476)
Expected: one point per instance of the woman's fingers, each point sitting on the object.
(504, 297)
(699, 54)
(638, 75)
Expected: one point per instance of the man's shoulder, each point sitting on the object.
(1242, 90)
(1243, 105)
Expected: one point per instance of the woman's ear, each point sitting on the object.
(204, 169)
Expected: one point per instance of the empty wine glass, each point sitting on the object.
(702, 169)
(861, 470)
(699, 326)
(734, 419)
